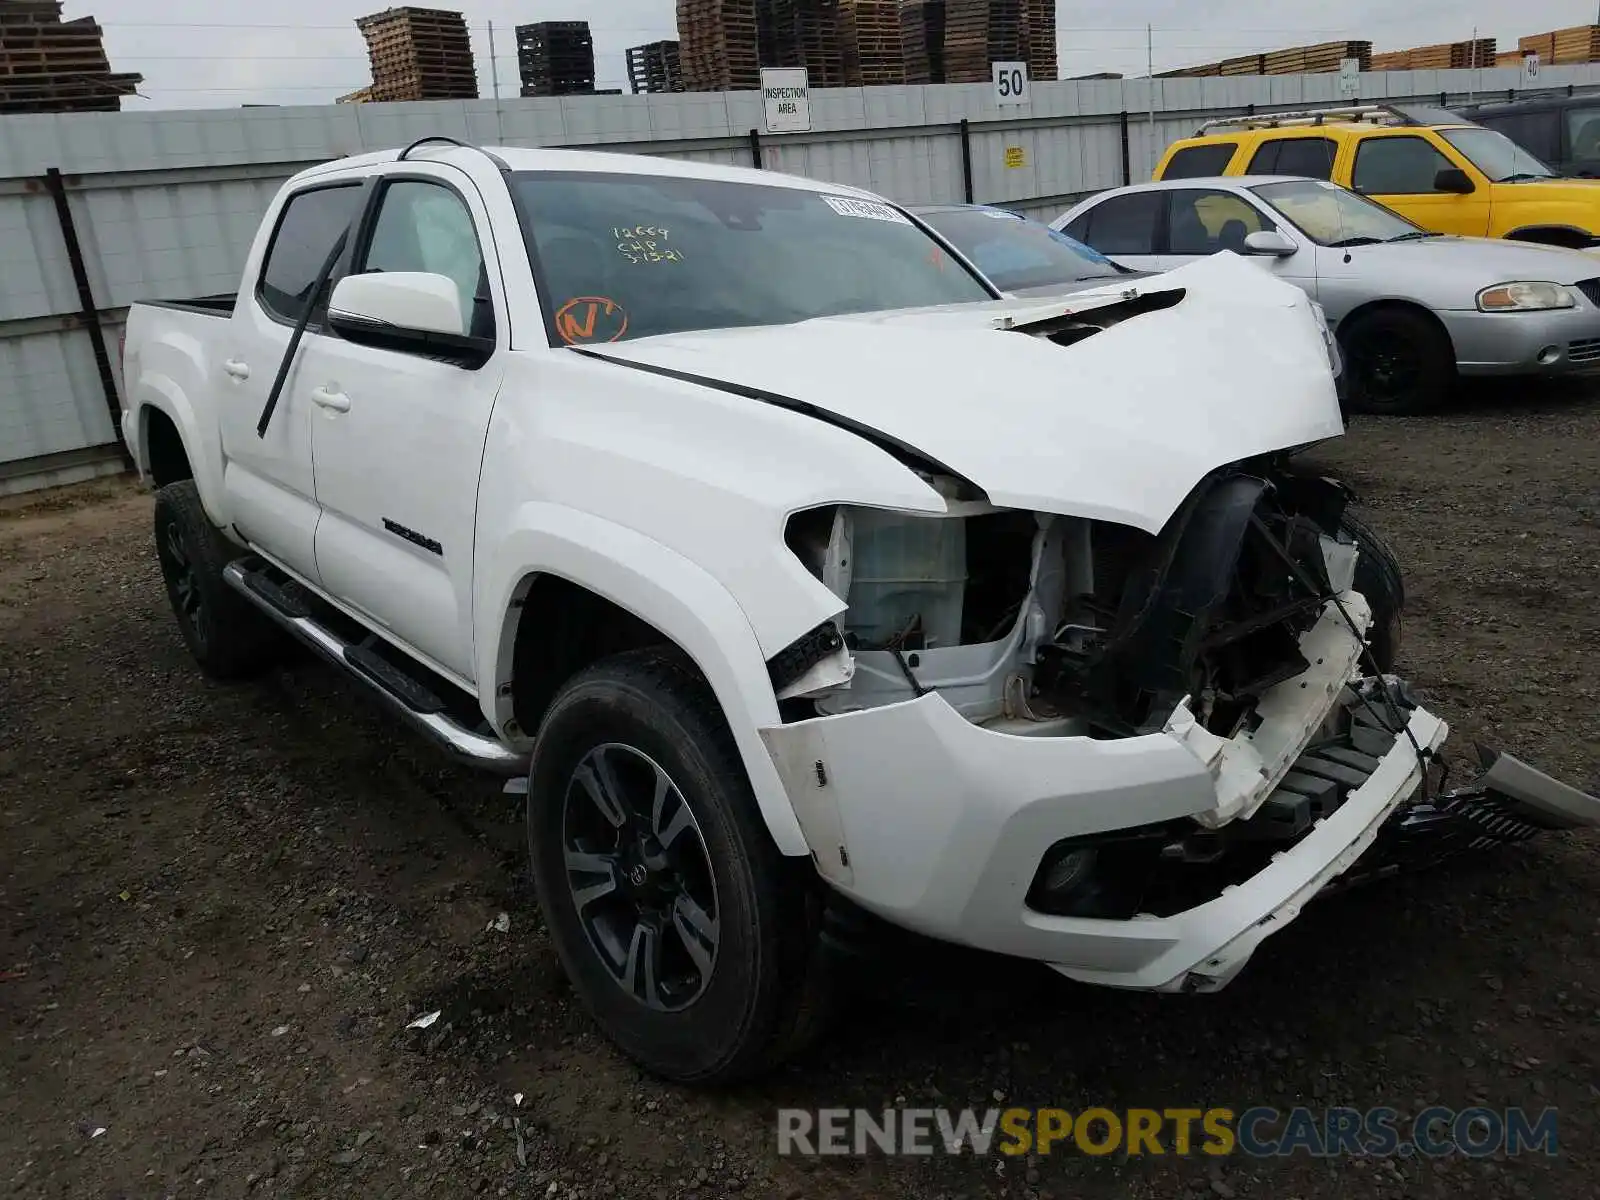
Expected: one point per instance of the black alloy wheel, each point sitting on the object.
(183, 584)
(640, 877)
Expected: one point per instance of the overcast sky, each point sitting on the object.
(222, 53)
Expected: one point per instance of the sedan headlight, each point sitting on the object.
(1524, 297)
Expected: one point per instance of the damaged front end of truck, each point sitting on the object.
(1130, 749)
(1235, 634)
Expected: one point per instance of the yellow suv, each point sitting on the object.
(1441, 171)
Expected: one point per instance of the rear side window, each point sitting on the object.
(1397, 166)
(1311, 156)
(1583, 127)
(1121, 225)
(1193, 162)
(311, 224)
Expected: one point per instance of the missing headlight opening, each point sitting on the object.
(1033, 623)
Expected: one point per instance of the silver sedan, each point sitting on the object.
(1411, 309)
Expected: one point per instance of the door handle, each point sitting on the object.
(239, 370)
(337, 401)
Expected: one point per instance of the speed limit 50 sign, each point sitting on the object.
(1010, 82)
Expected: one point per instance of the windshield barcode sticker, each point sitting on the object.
(847, 206)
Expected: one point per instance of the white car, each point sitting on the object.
(1412, 309)
(790, 566)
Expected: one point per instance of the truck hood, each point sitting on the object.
(1119, 426)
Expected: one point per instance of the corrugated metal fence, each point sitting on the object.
(165, 204)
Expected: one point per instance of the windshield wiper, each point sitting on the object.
(1359, 240)
(1414, 235)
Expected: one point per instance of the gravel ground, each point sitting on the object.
(220, 907)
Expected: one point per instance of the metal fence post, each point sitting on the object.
(88, 313)
(966, 160)
(755, 148)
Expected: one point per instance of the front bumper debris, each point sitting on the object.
(1509, 803)
(939, 826)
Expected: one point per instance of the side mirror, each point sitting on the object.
(414, 312)
(1453, 179)
(1270, 242)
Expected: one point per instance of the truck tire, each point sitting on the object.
(691, 939)
(1379, 580)
(1399, 361)
(228, 638)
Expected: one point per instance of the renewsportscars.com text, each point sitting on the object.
(1258, 1132)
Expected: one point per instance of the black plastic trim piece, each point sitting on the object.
(805, 652)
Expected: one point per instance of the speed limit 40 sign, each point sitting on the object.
(1010, 83)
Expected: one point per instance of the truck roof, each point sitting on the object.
(518, 158)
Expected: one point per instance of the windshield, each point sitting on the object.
(1331, 216)
(1496, 155)
(622, 256)
(1015, 253)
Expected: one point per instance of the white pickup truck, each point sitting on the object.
(797, 570)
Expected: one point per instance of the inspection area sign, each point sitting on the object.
(786, 92)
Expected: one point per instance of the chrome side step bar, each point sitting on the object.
(406, 699)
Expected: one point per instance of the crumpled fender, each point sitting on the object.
(655, 584)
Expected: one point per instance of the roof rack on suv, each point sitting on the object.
(1369, 114)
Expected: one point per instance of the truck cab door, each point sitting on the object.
(268, 478)
(1402, 172)
(398, 434)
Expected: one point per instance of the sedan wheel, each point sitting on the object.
(1398, 361)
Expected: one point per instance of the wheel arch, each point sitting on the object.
(604, 588)
(1393, 304)
(161, 450)
(164, 413)
(1553, 235)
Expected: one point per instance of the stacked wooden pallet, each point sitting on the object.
(1442, 56)
(1040, 49)
(419, 54)
(805, 33)
(1508, 58)
(655, 67)
(717, 45)
(1325, 58)
(1542, 44)
(1579, 44)
(51, 65)
(359, 96)
(873, 48)
(980, 32)
(556, 58)
(916, 40)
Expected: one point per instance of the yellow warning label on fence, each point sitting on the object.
(1016, 156)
